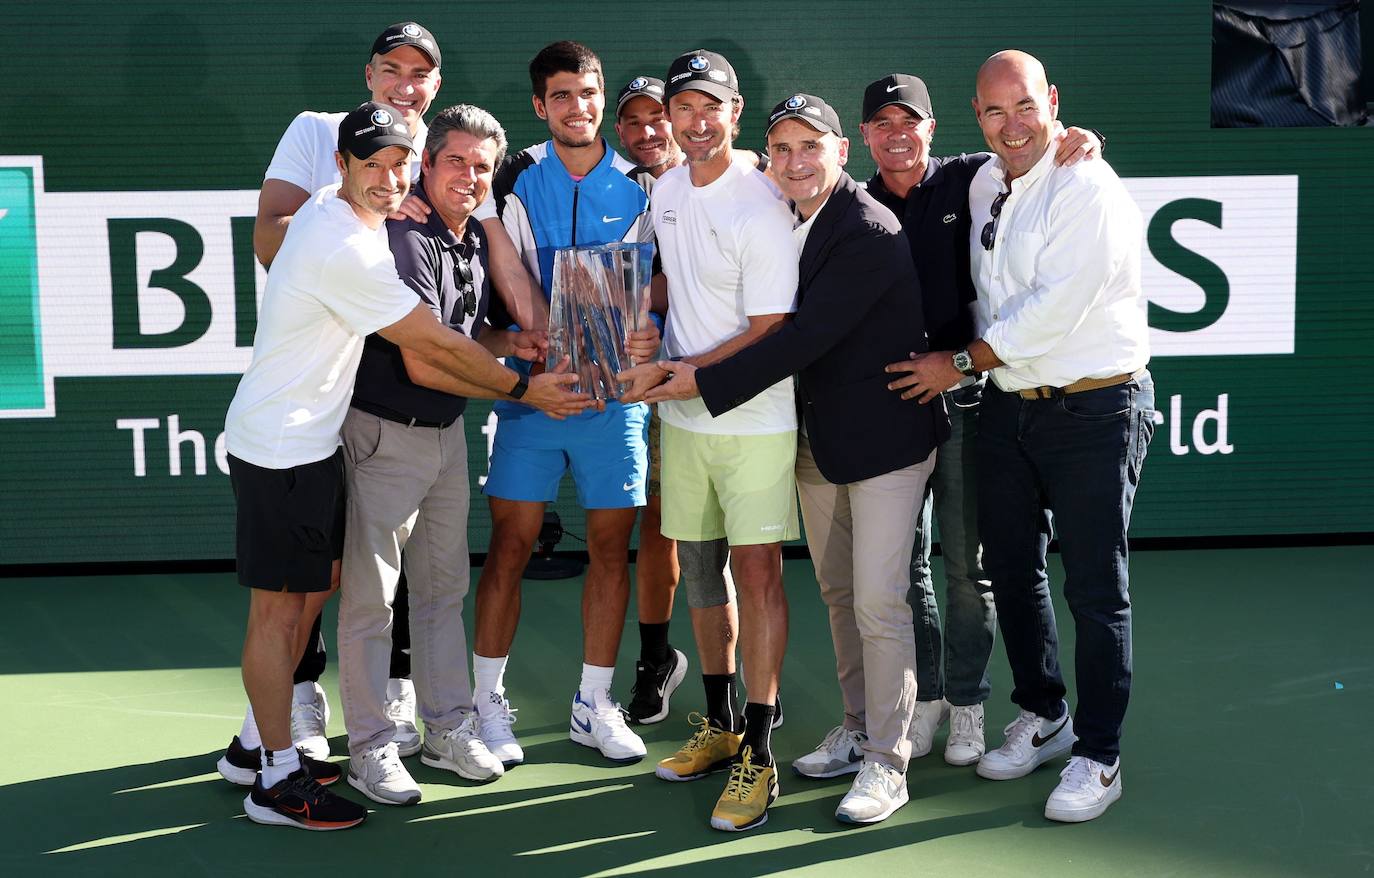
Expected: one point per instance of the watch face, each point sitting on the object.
(963, 362)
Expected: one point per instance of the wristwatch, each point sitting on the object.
(519, 389)
(963, 361)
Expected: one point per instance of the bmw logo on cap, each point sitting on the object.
(381, 117)
(638, 83)
(411, 30)
(698, 63)
(795, 102)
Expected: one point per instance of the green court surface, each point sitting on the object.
(1246, 749)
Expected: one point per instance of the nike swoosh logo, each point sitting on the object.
(611, 219)
(892, 88)
(1108, 781)
(628, 486)
(586, 727)
(1037, 741)
(305, 807)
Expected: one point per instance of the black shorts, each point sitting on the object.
(289, 524)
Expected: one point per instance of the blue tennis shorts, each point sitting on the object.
(606, 451)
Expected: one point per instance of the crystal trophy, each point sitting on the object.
(600, 295)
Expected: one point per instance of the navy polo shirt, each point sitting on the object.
(427, 256)
(935, 218)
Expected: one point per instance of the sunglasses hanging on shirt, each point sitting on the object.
(462, 279)
(990, 230)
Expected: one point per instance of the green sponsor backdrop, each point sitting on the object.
(130, 102)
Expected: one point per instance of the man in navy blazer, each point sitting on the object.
(863, 457)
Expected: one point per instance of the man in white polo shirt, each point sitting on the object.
(333, 282)
(725, 235)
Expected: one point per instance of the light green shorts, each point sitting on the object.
(742, 488)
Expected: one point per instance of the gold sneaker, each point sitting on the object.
(749, 792)
(708, 749)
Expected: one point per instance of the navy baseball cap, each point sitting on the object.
(373, 126)
(703, 71)
(809, 109)
(407, 33)
(900, 89)
(640, 86)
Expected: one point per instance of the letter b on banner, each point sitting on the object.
(126, 304)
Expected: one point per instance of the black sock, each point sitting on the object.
(758, 730)
(721, 699)
(653, 643)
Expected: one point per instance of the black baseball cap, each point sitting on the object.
(703, 71)
(407, 33)
(901, 89)
(640, 86)
(371, 127)
(809, 109)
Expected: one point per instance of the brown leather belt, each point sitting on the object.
(1079, 386)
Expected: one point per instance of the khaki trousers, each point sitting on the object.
(407, 488)
(860, 536)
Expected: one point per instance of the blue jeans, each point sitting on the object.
(955, 667)
(1078, 458)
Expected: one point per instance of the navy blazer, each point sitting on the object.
(858, 309)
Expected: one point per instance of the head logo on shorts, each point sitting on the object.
(698, 63)
(795, 102)
(638, 83)
(381, 117)
(411, 30)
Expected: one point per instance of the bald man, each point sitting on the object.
(1065, 422)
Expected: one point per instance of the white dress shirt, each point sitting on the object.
(1059, 293)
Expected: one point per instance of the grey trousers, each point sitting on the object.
(860, 536)
(407, 488)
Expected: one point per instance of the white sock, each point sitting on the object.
(489, 674)
(277, 764)
(248, 735)
(398, 688)
(595, 679)
(303, 693)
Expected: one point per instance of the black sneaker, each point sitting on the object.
(301, 802)
(654, 685)
(777, 711)
(239, 765)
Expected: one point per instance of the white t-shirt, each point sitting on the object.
(729, 254)
(305, 153)
(333, 283)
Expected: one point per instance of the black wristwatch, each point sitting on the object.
(963, 361)
(521, 385)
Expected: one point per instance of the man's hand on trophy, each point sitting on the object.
(642, 344)
(682, 384)
(531, 345)
(639, 380)
(550, 394)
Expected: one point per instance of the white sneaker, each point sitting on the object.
(925, 722)
(965, 745)
(841, 751)
(380, 775)
(601, 725)
(1031, 742)
(1086, 788)
(461, 750)
(877, 792)
(308, 721)
(400, 709)
(495, 716)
